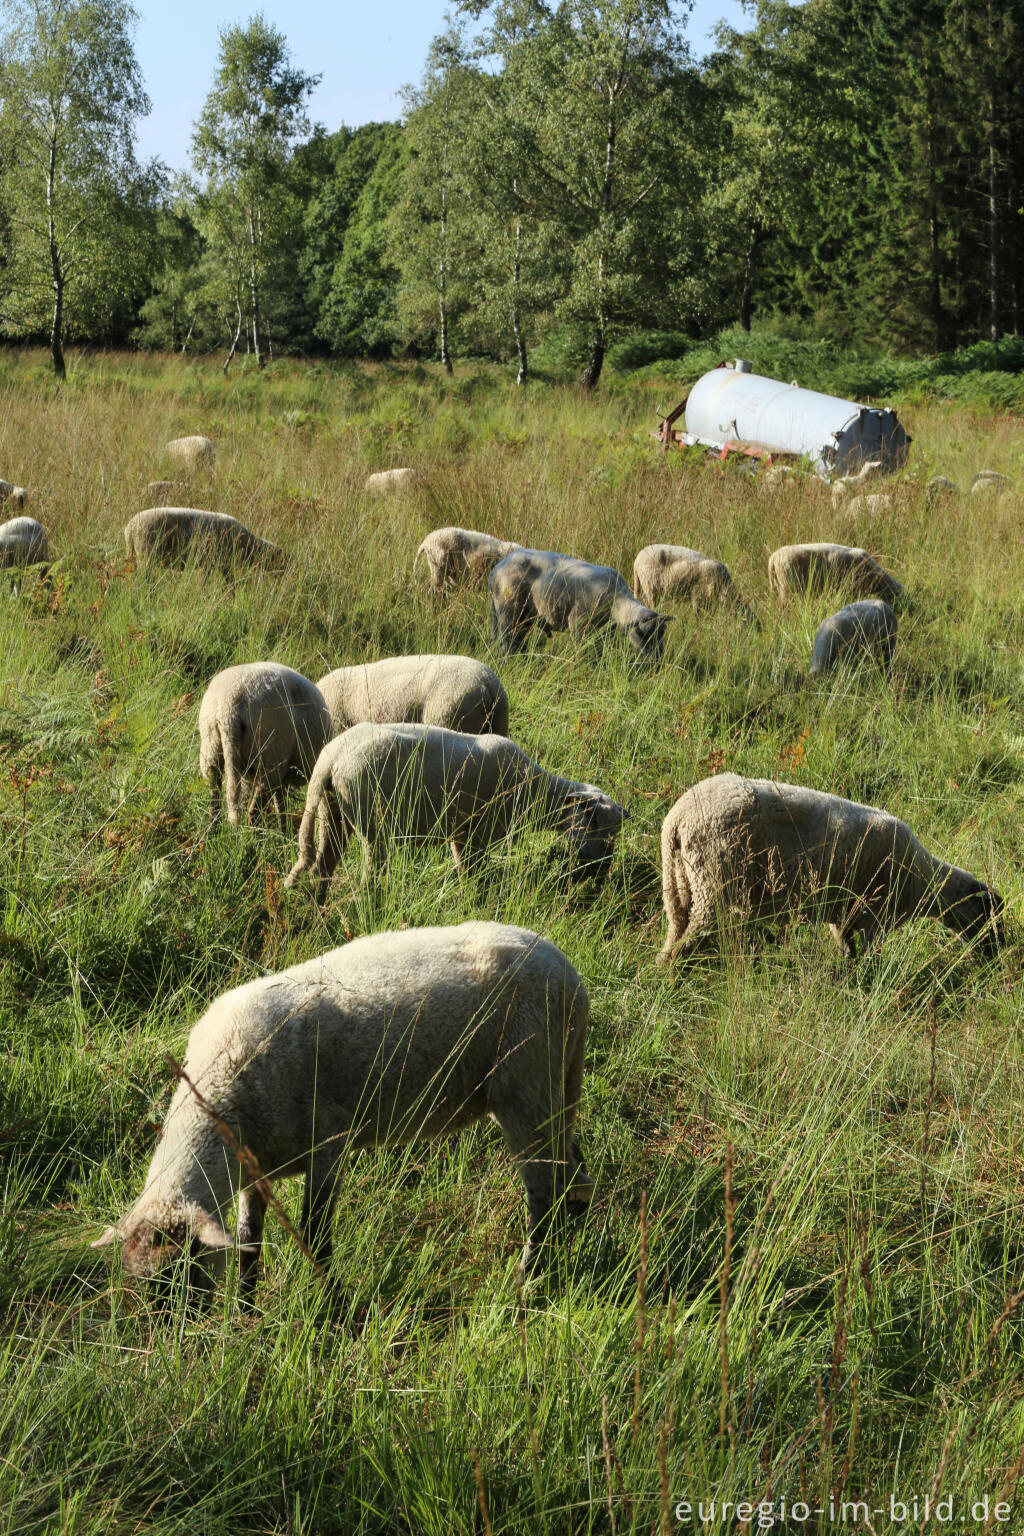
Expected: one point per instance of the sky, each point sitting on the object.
(364, 56)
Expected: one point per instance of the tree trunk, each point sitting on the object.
(188, 336)
(934, 252)
(993, 216)
(254, 294)
(56, 267)
(595, 362)
(747, 296)
(238, 332)
(517, 316)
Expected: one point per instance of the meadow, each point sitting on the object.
(801, 1276)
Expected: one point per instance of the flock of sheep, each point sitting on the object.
(417, 1033)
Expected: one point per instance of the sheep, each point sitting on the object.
(394, 1038)
(23, 541)
(868, 625)
(459, 554)
(771, 849)
(15, 494)
(454, 691)
(988, 482)
(672, 569)
(170, 535)
(938, 489)
(191, 453)
(160, 490)
(532, 586)
(811, 567)
(390, 480)
(423, 783)
(875, 505)
(261, 727)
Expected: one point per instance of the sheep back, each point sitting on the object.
(173, 535)
(457, 692)
(869, 625)
(813, 567)
(23, 541)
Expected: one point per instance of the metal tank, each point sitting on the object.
(733, 406)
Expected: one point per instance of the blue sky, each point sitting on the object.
(364, 54)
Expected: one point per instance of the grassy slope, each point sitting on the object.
(871, 1115)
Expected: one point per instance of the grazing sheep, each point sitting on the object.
(23, 541)
(394, 1038)
(190, 452)
(866, 626)
(532, 586)
(171, 535)
(423, 783)
(458, 554)
(390, 480)
(875, 505)
(261, 727)
(771, 849)
(939, 489)
(160, 490)
(814, 567)
(671, 570)
(453, 691)
(989, 482)
(15, 494)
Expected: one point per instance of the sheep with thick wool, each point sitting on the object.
(460, 554)
(393, 1038)
(23, 541)
(262, 726)
(672, 570)
(771, 850)
(814, 567)
(534, 587)
(457, 692)
(426, 784)
(173, 535)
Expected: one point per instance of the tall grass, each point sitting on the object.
(800, 1275)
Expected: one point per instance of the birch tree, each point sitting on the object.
(70, 94)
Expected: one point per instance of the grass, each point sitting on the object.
(853, 1137)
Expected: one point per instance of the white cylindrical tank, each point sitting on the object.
(732, 405)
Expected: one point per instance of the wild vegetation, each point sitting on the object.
(800, 1278)
(563, 173)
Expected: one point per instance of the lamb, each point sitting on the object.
(672, 569)
(190, 452)
(772, 849)
(460, 554)
(454, 691)
(261, 727)
(423, 783)
(15, 494)
(812, 567)
(23, 541)
(394, 1038)
(390, 480)
(532, 586)
(865, 626)
(171, 535)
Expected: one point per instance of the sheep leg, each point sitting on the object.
(845, 939)
(675, 890)
(331, 838)
(457, 855)
(233, 777)
(252, 1207)
(317, 1205)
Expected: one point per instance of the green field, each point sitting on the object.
(847, 1326)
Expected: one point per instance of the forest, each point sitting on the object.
(566, 179)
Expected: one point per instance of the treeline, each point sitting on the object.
(565, 174)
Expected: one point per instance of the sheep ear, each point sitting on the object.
(111, 1235)
(210, 1232)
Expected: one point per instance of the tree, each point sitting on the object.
(71, 92)
(243, 141)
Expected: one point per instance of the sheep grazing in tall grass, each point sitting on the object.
(460, 554)
(533, 587)
(23, 541)
(452, 691)
(799, 568)
(390, 480)
(671, 570)
(15, 494)
(192, 453)
(394, 1038)
(859, 629)
(174, 535)
(426, 784)
(262, 727)
(776, 850)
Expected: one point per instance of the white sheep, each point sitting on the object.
(873, 505)
(191, 453)
(454, 691)
(390, 480)
(988, 482)
(23, 541)
(814, 567)
(460, 554)
(261, 727)
(394, 1038)
(158, 491)
(173, 535)
(771, 850)
(672, 570)
(15, 494)
(423, 783)
(538, 587)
